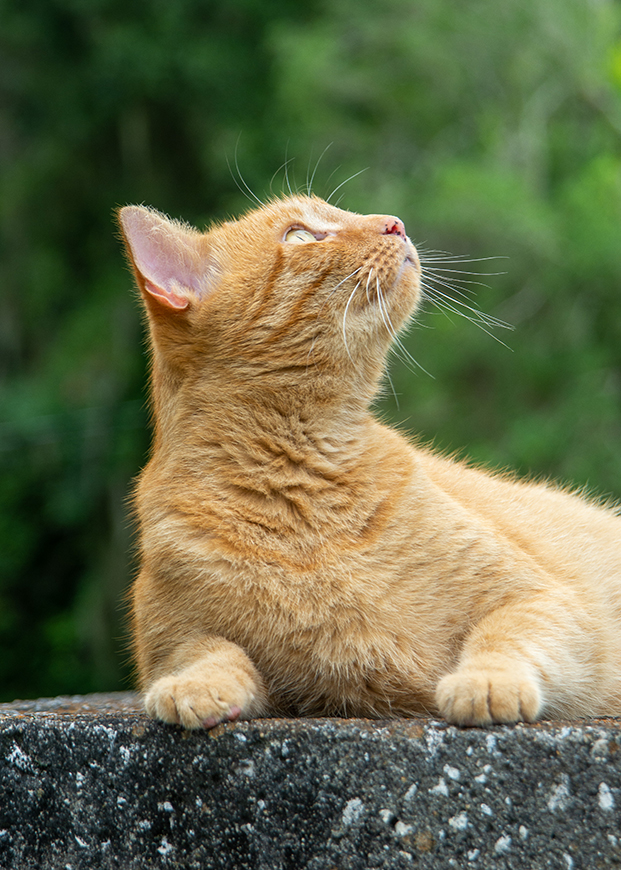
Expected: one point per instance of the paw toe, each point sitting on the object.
(482, 697)
(194, 703)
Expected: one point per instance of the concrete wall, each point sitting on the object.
(91, 783)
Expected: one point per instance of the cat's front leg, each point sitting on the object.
(209, 681)
(489, 689)
(524, 660)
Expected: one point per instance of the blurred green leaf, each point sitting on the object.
(493, 130)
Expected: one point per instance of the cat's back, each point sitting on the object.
(575, 538)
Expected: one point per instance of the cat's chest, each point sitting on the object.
(300, 518)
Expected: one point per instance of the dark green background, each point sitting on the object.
(493, 129)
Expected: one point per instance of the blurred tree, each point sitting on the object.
(101, 103)
(492, 129)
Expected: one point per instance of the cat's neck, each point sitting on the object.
(225, 431)
(302, 462)
(320, 410)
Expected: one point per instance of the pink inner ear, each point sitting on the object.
(168, 298)
(166, 255)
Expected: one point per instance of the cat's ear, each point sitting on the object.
(168, 257)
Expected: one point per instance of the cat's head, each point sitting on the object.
(294, 293)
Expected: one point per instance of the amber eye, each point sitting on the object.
(297, 234)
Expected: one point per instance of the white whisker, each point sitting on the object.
(280, 168)
(459, 285)
(368, 281)
(351, 178)
(433, 256)
(434, 294)
(351, 296)
(336, 286)
(462, 272)
(406, 356)
(392, 389)
(243, 187)
(310, 350)
(309, 182)
(484, 322)
(288, 160)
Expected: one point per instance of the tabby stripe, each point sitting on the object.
(293, 318)
(268, 287)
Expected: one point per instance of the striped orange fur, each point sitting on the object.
(299, 557)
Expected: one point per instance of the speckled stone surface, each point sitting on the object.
(90, 782)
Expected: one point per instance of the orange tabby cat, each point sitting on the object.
(298, 556)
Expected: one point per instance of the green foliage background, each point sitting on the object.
(492, 129)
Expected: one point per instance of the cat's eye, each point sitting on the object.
(297, 234)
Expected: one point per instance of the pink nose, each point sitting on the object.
(394, 227)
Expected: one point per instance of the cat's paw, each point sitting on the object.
(483, 696)
(200, 698)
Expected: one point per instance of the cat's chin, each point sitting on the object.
(406, 286)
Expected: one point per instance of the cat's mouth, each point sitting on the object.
(397, 276)
(409, 272)
(411, 259)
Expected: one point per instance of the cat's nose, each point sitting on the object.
(394, 227)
